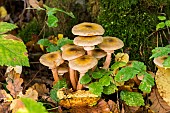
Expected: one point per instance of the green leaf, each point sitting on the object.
(105, 80)
(146, 83)
(160, 25)
(52, 21)
(132, 98)
(161, 17)
(97, 74)
(32, 106)
(110, 89)
(96, 88)
(125, 74)
(12, 51)
(61, 42)
(44, 42)
(166, 62)
(68, 13)
(140, 66)
(160, 51)
(167, 23)
(52, 48)
(60, 84)
(117, 65)
(5, 27)
(85, 79)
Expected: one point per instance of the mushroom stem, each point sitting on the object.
(72, 78)
(55, 75)
(80, 86)
(107, 61)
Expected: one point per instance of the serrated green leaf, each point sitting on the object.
(44, 42)
(105, 80)
(52, 48)
(85, 79)
(110, 89)
(167, 23)
(166, 62)
(160, 25)
(160, 51)
(132, 98)
(97, 75)
(12, 51)
(52, 21)
(146, 83)
(125, 74)
(140, 66)
(60, 84)
(96, 88)
(161, 17)
(32, 106)
(61, 42)
(5, 27)
(117, 65)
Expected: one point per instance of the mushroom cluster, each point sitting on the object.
(89, 47)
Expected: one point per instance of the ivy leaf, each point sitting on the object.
(61, 42)
(167, 23)
(166, 62)
(32, 106)
(160, 25)
(12, 51)
(44, 42)
(52, 21)
(132, 98)
(85, 79)
(146, 83)
(60, 84)
(117, 65)
(160, 51)
(96, 88)
(161, 17)
(105, 80)
(110, 89)
(125, 74)
(5, 27)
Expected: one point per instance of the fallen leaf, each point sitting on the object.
(158, 104)
(41, 89)
(5, 107)
(14, 83)
(17, 69)
(5, 96)
(16, 104)
(31, 93)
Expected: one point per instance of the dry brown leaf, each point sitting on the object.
(16, 104)
(5, 107)
(14, 83)
(34, 3)
(31, 93)
(5, 96)
(130, 109)
(158, 104)
(41, 89)
(162, 79)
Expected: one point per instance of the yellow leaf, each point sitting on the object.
(3, 12)
(60, 36)
(42, 47)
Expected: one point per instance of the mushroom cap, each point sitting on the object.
(83, 63)
(67, 46)
(51, 59)
(111, 43)
(98, 53)
(87, 29)
(159, 60)
(63, 68)
(88, 40)
(72, 53)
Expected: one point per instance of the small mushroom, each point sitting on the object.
(88, 42)
(82, 64)
(71, 53)
(110, 44)
(87, 29)
(63, 68)
(159, 61)
(52, 60)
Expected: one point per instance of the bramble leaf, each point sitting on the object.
(12, 51)
(160, 51)
(110, 89)
(105, 80)
(166, 62)
(140, 66)
(85, 79)
(97, 74)
(96, 88)
(44, 42)
(5, 27)
(146, 83)
(61, 42)
(132, 98)
(117, 65)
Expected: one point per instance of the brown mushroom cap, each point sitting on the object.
(98, 53)
(51, 59)
(83, 63)
(87, 29)
(63, 68)
(88, 40)
(159, 60)
(67, 46)
(111, 43)
(72, 53)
